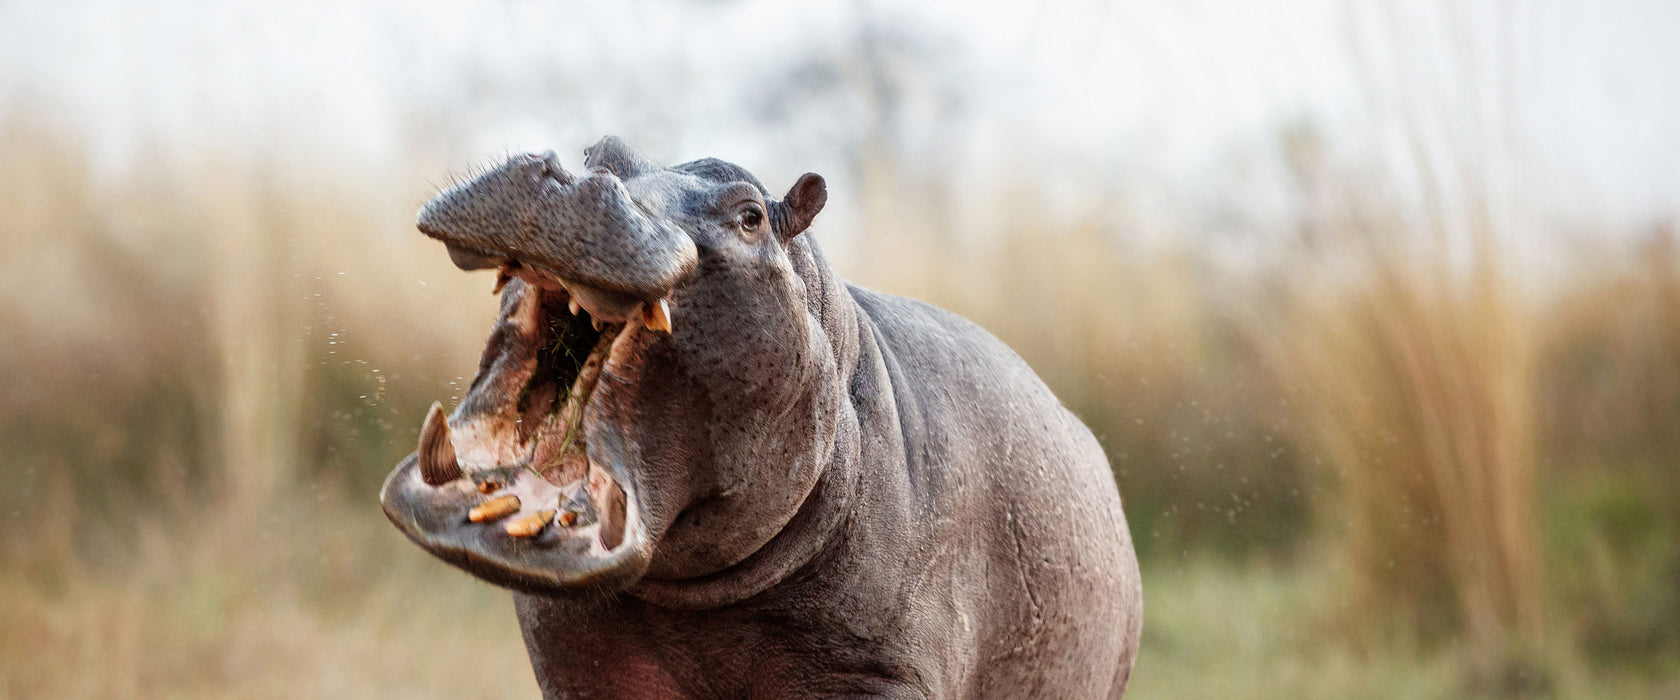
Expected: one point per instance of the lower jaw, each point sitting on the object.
(534, 447)
(597, 554)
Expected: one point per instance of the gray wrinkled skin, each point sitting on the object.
(589, 228)
(833, 492)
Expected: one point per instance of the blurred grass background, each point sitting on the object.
(1388, 456)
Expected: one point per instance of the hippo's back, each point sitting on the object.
(1019, 499)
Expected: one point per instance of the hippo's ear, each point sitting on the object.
(800, 206)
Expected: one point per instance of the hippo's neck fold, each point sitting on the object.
(821, 516)
(803, 539)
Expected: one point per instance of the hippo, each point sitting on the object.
(706, 466)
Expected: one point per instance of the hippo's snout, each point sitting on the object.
(533, 220)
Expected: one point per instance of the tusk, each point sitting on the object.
(437, 452)
(608, 498)
(572, 305)
(657, 316)
(502, 279)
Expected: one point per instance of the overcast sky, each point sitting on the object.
(1573, 105)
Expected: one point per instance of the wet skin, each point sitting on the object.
(738, 475)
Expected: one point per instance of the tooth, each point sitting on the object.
(530, 525)
(568, 518)
(572, 305)
(609, 500)
(498, 507)
(657, 316)
(437, 453)
(502, 278)
(489, 486)
(596, 322)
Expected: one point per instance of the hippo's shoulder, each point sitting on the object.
(911, 324)
(940, 351)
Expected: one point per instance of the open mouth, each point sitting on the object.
(531, 482)
(506, 487)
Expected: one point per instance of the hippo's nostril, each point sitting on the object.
(551, 167)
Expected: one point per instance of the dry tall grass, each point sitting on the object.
(212, 363)
(1419, 382)
(196, 417)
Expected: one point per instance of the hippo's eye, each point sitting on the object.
(751, 217)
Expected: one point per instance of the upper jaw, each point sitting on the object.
(589, 229)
